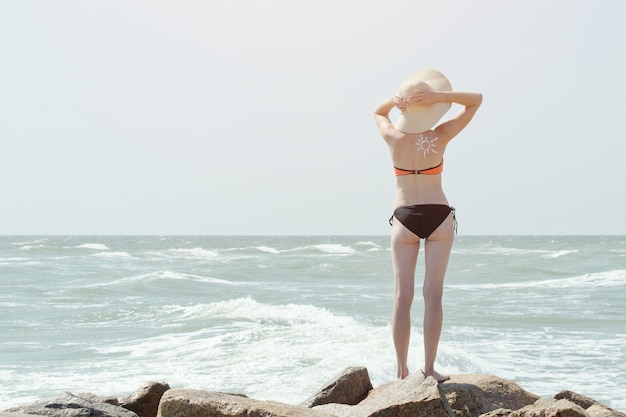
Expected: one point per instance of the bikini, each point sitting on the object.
(422, 219)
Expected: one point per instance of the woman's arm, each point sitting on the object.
(451, 128)
(381, 115)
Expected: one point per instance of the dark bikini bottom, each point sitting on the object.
(423, 219)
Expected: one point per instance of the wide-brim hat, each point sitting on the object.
(420, 119)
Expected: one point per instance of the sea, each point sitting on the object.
(277, 317)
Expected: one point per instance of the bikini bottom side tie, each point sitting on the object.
(423, 219)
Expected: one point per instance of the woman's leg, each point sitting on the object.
(437, 253)
(404, 249)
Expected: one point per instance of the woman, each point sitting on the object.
(421, 210)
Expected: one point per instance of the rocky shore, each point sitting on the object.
(349, 394)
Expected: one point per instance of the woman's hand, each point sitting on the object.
(400, 103)
(422, 98)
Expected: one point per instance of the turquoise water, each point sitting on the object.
(277, 317)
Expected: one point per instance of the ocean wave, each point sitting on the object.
(248, 346)
(543, 253)
(163, 276)
(367, 243)
(324, 248)
(14, 259)
(31, 247)
(193, 253)
(615, 278)
(249, 310)
(112, 255)
(267, 249)
(93, 246)
(371, 246)
(10, 304)
(334, 248)
(39, 241)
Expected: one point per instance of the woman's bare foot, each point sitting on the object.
(438, 377)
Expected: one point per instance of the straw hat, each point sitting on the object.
(420, 119)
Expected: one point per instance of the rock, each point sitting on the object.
(413, 396)
(473, 394)
(6, 414)
(560, 408)
(599, 410)
(97, 399)
(587, 403)
(70, 405)
(500, 412)
(579, 399)
(349, 387)
(544, 407)
(145, 401)
(194, 403)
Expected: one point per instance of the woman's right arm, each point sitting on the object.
(381, 115)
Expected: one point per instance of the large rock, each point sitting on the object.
(548, 407)
(98, 399)
(600, 410)
(194, 403)
(349, 387)
(471, 395)
(414, 396)
(145, 401)
(70, 405)
(579, 399)
(593, 407)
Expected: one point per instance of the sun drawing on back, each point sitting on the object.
(426, 145)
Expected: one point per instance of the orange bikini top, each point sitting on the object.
(428, 171)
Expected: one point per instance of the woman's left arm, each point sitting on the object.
(449, 129)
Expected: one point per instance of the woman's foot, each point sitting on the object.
(438, 377)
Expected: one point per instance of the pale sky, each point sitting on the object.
(250, 117)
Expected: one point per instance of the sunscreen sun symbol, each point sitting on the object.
(426, 145)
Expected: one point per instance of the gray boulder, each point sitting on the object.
(476, 394)
(194, 403)
(70, 405)
(600, 410)
(350, 387)
(548, 407)
(145, 401)
(413, 396)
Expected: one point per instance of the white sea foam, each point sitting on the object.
(558, 253)
(367, 243)
(31, 242)
(268, 249)
(615, 278)
(193, 253)
(9, 304)
(94, 246)
(334, 248)
(547, 254)
(31, 247)
(14, 259)
(247, 309)
(165, 275)
(112, 255)
(278, 352)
